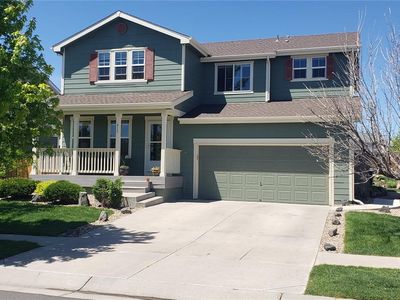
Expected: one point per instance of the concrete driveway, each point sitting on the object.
(183, 250)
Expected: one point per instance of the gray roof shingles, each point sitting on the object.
(272, 109)
(270, 45)
(122, 98)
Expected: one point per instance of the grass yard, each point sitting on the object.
(19, 217)
(10, 248)
(372, 234)
(354, 282)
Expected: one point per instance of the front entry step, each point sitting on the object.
(142, 199)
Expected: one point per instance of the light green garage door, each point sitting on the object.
(262, 173)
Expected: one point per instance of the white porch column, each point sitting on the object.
(117, 156)
(61, 145)
(75, 144)
(164, 124)
(35, 162)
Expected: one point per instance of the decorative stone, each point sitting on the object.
(36, 198)
(103, 216)
(385, 209)
(329, 247)
(335, 222)
(332, 232)
(338, 215)
(126, 210)
(83, 199)
(339, 209)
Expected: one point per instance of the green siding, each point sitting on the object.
(282, 89)
(268, 174)
(167, 68)
(184, 135)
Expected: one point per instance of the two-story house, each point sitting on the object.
(224, 120)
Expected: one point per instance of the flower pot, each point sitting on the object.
(123, 170)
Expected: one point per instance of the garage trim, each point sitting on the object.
(291, 142)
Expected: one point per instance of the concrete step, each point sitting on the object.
(150, 202)
(135, 183)
(133, 198)
(135, 189)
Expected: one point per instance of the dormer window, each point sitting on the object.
(121, 65)
(104, 66)
(309, 68)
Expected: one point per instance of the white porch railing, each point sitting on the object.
(172, 161)
(59, 161)
(96, 160)
(89, 160)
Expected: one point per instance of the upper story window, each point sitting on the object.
(121, 65)
(234, 77)
(104, 66)
(309, 68)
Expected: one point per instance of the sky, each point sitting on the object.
(209, 21)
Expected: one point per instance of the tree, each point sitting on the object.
(28, 108)
(366, 127)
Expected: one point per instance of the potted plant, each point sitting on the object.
(155, 171)
(123, 168)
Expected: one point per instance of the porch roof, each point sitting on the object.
(153, 100)
(291, 111)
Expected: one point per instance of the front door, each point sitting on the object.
(153, 145)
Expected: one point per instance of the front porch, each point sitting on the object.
(98, 144)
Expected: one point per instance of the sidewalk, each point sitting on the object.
(41, 240)
(357, 260)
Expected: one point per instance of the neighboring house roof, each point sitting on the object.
(284, 45)
(298, 110)
(53, 87)
(167, 99)
(184, 39)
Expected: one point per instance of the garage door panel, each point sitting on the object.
(273, 174)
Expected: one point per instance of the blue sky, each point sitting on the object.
(216, 20)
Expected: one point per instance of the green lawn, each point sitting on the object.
(354, 282)
(37, 219)
(372, 234)
(10, 248)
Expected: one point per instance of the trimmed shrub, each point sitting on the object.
(101, 190)
(63, 191)
(115, 193)
(109, 193)
(17, 188)
(42, 186)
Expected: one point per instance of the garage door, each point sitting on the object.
(262, 173)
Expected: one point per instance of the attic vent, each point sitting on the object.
(122, 28)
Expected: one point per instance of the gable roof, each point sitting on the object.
(184, 39)
(283, 45)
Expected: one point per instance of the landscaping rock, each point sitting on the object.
(329, 247)
(37, 198)
(339, 209)
(338, 215)
(103, 216)
(126, 210)
(83, 199)
(333, 232)
(385, 209)
(336, 221)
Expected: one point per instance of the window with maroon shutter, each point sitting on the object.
(149, 61)
(330, 69)
(93, 68)
(289, 69)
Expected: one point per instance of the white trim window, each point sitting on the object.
(121, 65)
(309, 68)
(233, 78)
(126, 135)
(85, 132)
(104, 66)
(138, 64)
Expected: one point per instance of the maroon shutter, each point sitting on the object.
(149, 61)
(330, 66)
(93, 68)
(289, 69)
